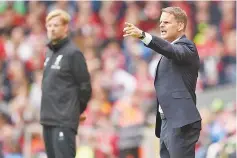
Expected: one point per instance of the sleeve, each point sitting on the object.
(147, 39)
(82, 78)
(182, 52)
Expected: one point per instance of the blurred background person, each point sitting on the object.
(66, 88)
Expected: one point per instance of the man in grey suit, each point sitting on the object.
(178, 122)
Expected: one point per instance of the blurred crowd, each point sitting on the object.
(122, 73)
(218, 135)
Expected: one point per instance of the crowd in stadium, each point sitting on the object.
(122, 73)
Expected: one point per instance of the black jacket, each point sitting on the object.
(175, 81)
(66, 86)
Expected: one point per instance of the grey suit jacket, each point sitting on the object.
(175, 81)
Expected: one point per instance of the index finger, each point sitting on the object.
(128, 24)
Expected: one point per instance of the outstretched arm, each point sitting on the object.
(181, 52)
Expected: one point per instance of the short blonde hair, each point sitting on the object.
(179, 14)
(65, 17)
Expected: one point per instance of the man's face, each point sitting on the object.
(56, 30)
(169, 27)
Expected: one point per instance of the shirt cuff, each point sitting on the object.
(147, 39)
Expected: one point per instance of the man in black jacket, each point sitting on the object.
(66, 88)
(178, 122)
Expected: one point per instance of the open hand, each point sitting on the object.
(131, 30)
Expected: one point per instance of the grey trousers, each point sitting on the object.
(59, 142)
(179, 142)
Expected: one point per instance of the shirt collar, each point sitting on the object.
(58, 45)
(176, 40)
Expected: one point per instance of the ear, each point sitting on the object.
(66, 28)
(180, 26)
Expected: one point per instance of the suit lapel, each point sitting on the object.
(182, 37)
